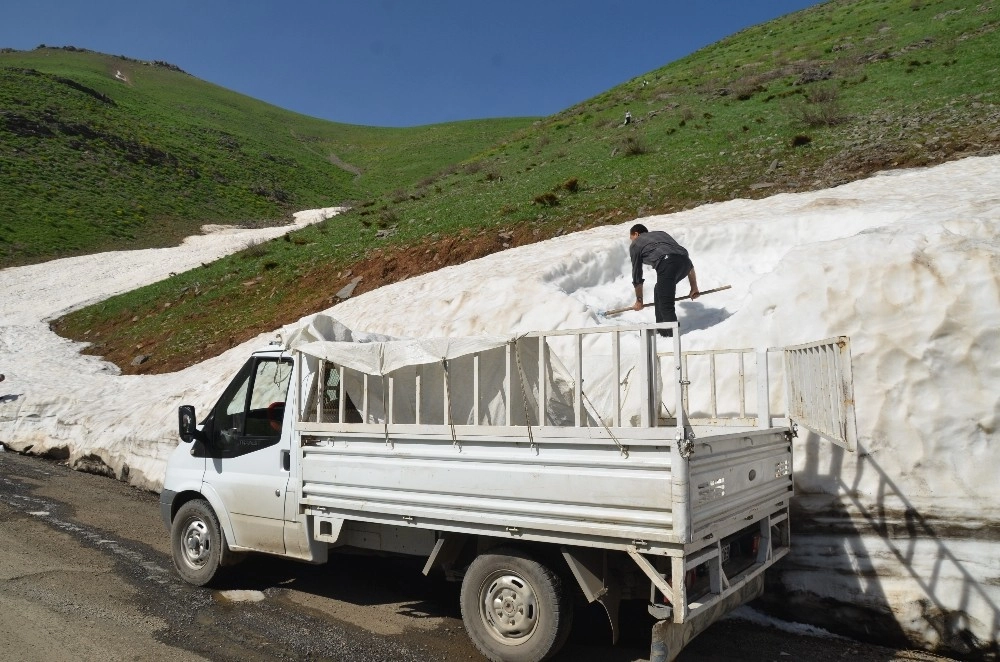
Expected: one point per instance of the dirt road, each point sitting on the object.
(85, 575)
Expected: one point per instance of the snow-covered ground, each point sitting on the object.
(906, 263)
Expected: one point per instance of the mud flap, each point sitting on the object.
(670, 638)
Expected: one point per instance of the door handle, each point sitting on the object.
(286, 460)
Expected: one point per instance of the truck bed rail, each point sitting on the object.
(429, 442)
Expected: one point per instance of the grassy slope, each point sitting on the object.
(811, 100)
(90, 162)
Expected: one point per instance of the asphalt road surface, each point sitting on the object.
(85, 575)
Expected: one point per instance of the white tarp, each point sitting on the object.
(385, 357)
(322, 327)
(443, 368)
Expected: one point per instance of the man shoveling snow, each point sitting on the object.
(660, 251)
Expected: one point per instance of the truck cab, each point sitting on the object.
(238, 461)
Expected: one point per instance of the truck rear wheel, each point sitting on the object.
(197, 543)
(514, 608)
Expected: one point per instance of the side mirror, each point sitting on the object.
(187, 424)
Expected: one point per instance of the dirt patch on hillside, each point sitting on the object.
(315, 290)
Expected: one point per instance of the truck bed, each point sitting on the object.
(499, 437)
(572, 485)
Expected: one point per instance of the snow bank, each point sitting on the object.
(906, 263)
(60, 402)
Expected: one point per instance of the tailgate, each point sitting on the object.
(738, 477)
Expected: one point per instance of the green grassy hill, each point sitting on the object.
(814, 99)
(100, 152)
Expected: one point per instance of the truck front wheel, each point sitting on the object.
(197, 544)
(514, 608)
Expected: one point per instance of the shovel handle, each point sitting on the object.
(622, 310)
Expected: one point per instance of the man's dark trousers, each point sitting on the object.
(671, 270)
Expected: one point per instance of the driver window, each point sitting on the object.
(231, 412)
(267, 399)
(250, 413)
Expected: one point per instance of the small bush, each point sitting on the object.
(821, 108)
(800, 140)
(814, 75)
(822, 95)
(387, 217)
(547, 199)
(255, 248)
(744, 88)
(572, 185)
(632, 146)
(824, 115)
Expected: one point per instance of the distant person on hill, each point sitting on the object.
(660, 251)
(628, 117)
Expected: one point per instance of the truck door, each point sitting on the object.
(249, 456)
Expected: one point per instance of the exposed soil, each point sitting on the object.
(314, 291)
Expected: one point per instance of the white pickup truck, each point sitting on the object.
(538, 470)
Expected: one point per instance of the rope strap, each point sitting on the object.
(385, 412)
(447, 388)
(524, 396)
(593, 412)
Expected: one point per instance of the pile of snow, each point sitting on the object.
(906, 263)
(58, 401)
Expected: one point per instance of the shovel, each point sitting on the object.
(622, 310)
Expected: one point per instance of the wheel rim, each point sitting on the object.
(508, 608)
(196, 543)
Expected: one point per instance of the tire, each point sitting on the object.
(514, 608)
(197, 545)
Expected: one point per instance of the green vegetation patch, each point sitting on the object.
(100, 152)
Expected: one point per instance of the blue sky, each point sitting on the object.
(396, 62)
